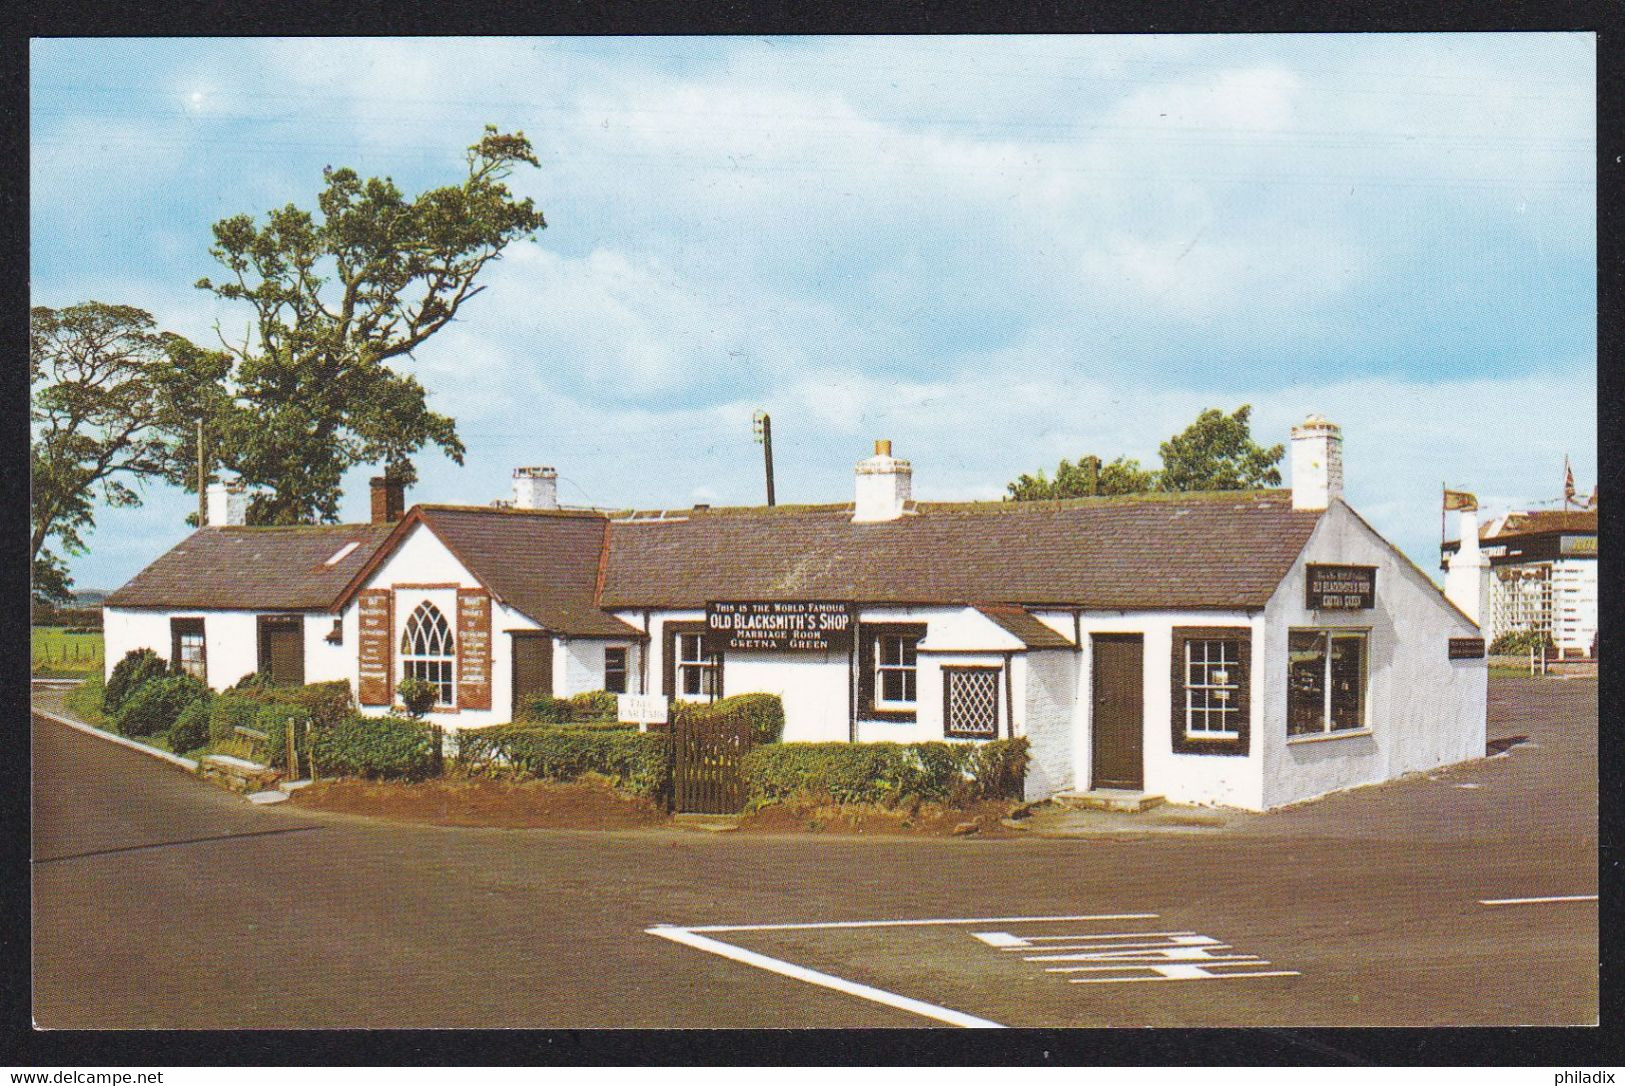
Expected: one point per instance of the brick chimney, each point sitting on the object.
(535, 488)
(388, 500)
(884, 485)
(1317, 463)
(227, 504)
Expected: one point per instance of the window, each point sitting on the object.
(699, 672)
(428, 651)
(1325, 681)
(896, 667)
(615, 670)
(1212, 682)
(970, 707)
(187, 647)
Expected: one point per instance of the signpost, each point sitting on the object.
(640, 709)
(784, 626)
(1340, 588)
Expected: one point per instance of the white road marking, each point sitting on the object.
(694, 937)
(1168, 955)
(1539, 900)
(1194, 974)
(688, 937)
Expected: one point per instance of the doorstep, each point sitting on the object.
(1118, 800)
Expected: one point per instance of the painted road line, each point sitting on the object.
(922, 923)
(1539, 900)
(690, 937)
(1198, 975)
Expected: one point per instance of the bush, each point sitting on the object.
(137, 667)
(886, 773)
(633, 761)
(274, 719)
(85, 701)
(229, 711)
(191, 729)
(377, 747)
(418, 695)
(1520, 643)
(156, 704)
(764, 713)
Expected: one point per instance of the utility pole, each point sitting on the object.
(762, 424)
(202, 480)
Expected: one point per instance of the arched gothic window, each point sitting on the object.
(428, 651)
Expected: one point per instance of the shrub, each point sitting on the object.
(137, 667)
(274, 719)
(85, 701)
(763, 712)
(254, 680)
(154, 706)
(633, 761)
(377, 747)
(418, 695)
(886, 773)
(1520, 643)
(229, 711)
(593, 705)
(191, 729)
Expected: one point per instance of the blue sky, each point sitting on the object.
(995, 251)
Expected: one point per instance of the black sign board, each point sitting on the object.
(1466, 648)
(793, 626)
(1341, 588)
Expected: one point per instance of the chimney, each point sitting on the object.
(1317, 463)
(388, 500)
(884, 486)
(535, 488)
(1467, 574)
(228, 504)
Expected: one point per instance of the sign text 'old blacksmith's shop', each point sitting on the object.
(794, 626)
(1341, 588)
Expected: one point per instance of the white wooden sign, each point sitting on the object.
(642, 709)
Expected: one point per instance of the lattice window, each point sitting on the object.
(971, 702)
(428, 651)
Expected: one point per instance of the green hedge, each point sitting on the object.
(377, 747)
(191, 729)
(1521, 643)
(763, 712)
(85, 701)
(138, 667)
(589, 707)
(274, 719)
(886, 773)
(153, 707)
(634, 761)
(229, 711)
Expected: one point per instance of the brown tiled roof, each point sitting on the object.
(1544, 520)
(543, 563)
(1020, 622)
(1196, 551)
(240, 568)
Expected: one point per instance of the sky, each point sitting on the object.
(996, 251)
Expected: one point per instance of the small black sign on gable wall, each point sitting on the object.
(1466, 648)
(1340, 588)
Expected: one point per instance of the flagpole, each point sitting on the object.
(1442, 489)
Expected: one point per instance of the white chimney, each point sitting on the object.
(884, 485)
(535, 488)
(1467, 574)
(1317, 463)
(228, 504)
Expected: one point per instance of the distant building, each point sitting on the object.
(1528, 571)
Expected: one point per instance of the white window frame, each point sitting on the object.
(902, 667)
(423, 665)
(1328, 634)
(703, 664)
(1229, 705)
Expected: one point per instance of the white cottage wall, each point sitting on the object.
(1051, 683)
(1423, 709)
(231, 639)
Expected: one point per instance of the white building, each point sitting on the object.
(1528, 571)
(1247, 648)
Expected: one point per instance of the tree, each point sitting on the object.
(1216, 452)
(113, 402)
(335, 297)
(1085, 479)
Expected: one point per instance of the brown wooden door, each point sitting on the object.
(532, 668)
(1118, 731)
(282, 649)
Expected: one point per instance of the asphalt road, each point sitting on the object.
(163, 902)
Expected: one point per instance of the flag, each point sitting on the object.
(1459, 499)
(1568, 482)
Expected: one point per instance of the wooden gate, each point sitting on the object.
(706, 754)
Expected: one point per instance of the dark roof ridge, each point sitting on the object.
(509, 511)
(989, 505)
